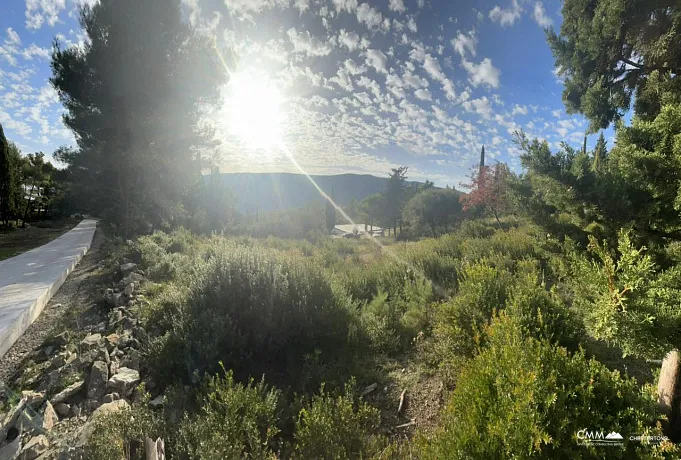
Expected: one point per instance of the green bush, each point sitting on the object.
(336, 428)
(525, 398)
(235, 421)
(482, 290)
(392, 323)
(121, 434)
(541, 313)
(257, 310)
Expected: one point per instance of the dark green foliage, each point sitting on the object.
(609, 50)
(10, 180)
(134, 95)
(433, 211)
(258, 311)
(521, 397)
(235, 421)
(336, 427)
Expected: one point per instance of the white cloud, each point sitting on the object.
(448, 88)
(352, 67)
(343, 79)
(303, 42)
(351, 40)
(463, 43)
(480, 106)
(421, 3)
(35, 50)
(508, 16)
(302, 5)
(397, 5)
(540, 15)
(556, 113)
(483, 73)
(12, 37)
(40, 11)
(347, 5)
(432, 66)
(369, 16)
(423, 94)
(519, 110)
(411, 25)
(377, 60)
(414, 81)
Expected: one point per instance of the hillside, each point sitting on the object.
(278, 191)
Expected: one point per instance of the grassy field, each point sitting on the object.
(14, 241)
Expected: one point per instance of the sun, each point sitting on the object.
(253, 107)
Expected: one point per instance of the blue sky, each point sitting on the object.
(365, 85)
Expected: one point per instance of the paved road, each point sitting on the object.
(29, 280)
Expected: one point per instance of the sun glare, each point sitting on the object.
(253, 107)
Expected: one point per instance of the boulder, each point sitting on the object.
(132, 359)
(68, 392)
(35, 447)
(61, 339)
(124, 381)
(131, 278)
(8, 419)
(111, 397)
(127, 268)
(33, 398)
(62, 409)
(50, 418)
(91, 342)
(158, 401)
(99, 376)
(129, 289)
(103, 355)
(11, 450)
(101, 411)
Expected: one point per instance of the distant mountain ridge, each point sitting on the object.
(278, 191)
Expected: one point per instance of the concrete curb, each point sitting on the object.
(29, 280)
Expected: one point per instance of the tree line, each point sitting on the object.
(30, 186)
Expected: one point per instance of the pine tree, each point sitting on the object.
(600, 153)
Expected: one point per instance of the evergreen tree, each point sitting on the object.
(134, 95)
(600, 153)
(10, 179)
(610, 50)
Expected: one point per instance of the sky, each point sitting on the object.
(363, 86)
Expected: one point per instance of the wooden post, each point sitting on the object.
(668, 389)
(155, 449)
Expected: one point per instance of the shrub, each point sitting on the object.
(236, 421)
(121, 434)
(336, 427)
(482, 290)
(524, 398)
(258, 311)
(541, 313)
(392, 323)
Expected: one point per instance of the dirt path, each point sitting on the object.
(73, 307)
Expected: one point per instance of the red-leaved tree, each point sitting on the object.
(488, 189)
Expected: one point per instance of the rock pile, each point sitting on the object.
(73, 382)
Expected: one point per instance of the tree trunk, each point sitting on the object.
(496, 216)
(28, 204)
(668, 392)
